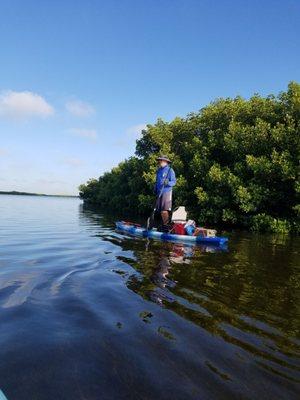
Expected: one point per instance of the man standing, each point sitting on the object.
(165, 180)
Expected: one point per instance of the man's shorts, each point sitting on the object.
(164, 202)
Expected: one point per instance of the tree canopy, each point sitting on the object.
(236, 161)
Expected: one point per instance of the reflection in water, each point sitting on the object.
(89, 313)
(248, 296)
(156, 288)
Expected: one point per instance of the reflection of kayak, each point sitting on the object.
(141, 231)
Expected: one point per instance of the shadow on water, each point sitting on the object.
(89, 313)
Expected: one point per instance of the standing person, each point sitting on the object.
(165, 180)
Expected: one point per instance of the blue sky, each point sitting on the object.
(80, 78)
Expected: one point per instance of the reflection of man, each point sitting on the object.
(165, 180)
(159, 276)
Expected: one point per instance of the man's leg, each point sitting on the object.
(166, 206)
(165, 217)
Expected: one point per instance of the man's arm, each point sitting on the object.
(172, 179)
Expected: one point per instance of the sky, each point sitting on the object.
(79, 79)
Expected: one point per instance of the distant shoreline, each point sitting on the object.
(16, 193)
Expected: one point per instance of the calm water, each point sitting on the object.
(87, 313)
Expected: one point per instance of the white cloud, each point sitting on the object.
(3, 151)
(132, 134)
(85, 133)
(135, 131)
(79, 108)
(24, 104)
(44, 181)
(73, 162)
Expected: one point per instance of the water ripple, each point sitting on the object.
(89, 313)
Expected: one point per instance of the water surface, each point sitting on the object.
(88, 313)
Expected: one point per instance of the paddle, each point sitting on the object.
(151, 218)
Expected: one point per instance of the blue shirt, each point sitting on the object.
(161, 174)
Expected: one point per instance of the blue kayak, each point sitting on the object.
(143, 232)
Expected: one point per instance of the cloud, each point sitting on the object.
(132, 134)
(135, 131)
(23, 105)
(73, 162)
(44, 181)
(85, 133)
(3, 151)
(79, 108)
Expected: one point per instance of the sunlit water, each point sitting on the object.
(88, 313)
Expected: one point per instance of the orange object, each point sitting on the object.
(200, 232)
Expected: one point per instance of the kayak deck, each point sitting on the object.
(143, 232)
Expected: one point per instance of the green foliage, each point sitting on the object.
(236, 161)
(266, 223)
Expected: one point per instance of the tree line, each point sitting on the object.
(236, 161)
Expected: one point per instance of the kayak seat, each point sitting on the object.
(179, 215)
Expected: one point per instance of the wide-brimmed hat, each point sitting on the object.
(163, 158)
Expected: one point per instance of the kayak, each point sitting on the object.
(152, 233)
(2, 397)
